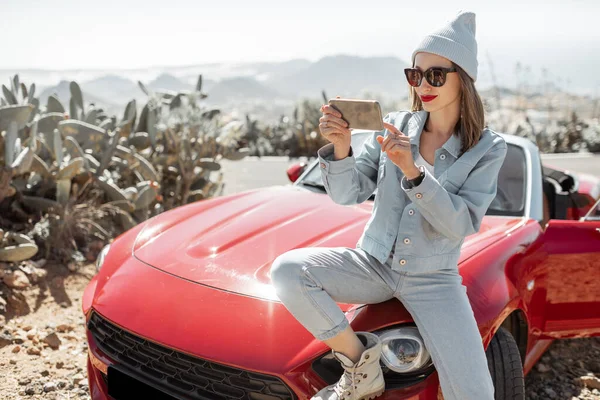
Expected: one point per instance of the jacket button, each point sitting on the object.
(323, 165)
(406, 241)
(402, 262)
(418, 195)
(411, 212)
(443, 157)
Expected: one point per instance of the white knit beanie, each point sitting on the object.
(455, 41)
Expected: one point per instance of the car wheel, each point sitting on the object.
(506, 368)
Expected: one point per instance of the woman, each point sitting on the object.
(436, 172)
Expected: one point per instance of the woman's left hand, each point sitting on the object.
(397, 147)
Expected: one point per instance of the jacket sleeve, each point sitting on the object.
(351, 180)
(459, 215)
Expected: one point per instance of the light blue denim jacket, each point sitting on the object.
(430, 220)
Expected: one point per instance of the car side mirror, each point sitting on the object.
(295, 170)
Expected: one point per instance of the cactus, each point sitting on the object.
(17, 161)
(76, 103)
(138, 163)
(188, 138)
(48, 122)
(25, 168)
(91, 116)
(140, 140)
(76, 151)
(146, 195)
(30, 96)
(18, 94)
(108, 153)
(10, 143)
(9, 96)
(53, 105)
(40, 167)
(113, 192)
(74, 168)
(129, 117)
(71, 169)
(23, 162)
(87, 135)
(18, 114)
(16, 247)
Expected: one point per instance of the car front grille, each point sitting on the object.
(181, 375)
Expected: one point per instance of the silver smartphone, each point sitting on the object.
(360, 114)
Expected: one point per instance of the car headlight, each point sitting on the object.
(403, 350)
(101, 257)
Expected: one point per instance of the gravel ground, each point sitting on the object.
(568, 370)
(42, 345)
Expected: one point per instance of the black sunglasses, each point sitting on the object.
(436, 76)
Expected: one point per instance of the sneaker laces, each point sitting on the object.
(347, 380)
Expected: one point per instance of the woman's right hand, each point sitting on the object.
(333, 127)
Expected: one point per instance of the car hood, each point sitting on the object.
(216, 325)
(230, 242)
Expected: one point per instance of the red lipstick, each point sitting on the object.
(427, 99)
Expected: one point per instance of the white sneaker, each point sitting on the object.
(362, 380)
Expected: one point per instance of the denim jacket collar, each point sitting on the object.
(415, 128)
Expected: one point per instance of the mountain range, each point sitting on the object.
(270, 84)
(348, 76)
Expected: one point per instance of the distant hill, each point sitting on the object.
(346, 76)
(277, 70)
(63, 93)
(169, 82)
(248, 86)
(289, 80)
(118, 89)
(241, 88)
(490, 92)
(219, 71)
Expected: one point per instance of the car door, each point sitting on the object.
(564, 278)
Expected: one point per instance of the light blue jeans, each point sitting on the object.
(309, 282)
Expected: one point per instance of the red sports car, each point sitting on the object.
(182, 306)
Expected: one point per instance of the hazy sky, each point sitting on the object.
(71, 34)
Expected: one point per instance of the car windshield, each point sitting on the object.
(510, 197)
(594, 213)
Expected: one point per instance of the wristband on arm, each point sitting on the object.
(416, 181)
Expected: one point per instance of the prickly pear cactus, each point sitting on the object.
(15, 247)
(15, 160)
(77, 170)
(187, 141)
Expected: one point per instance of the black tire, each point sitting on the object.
(506, 368)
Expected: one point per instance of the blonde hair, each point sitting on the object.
(471, 123)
